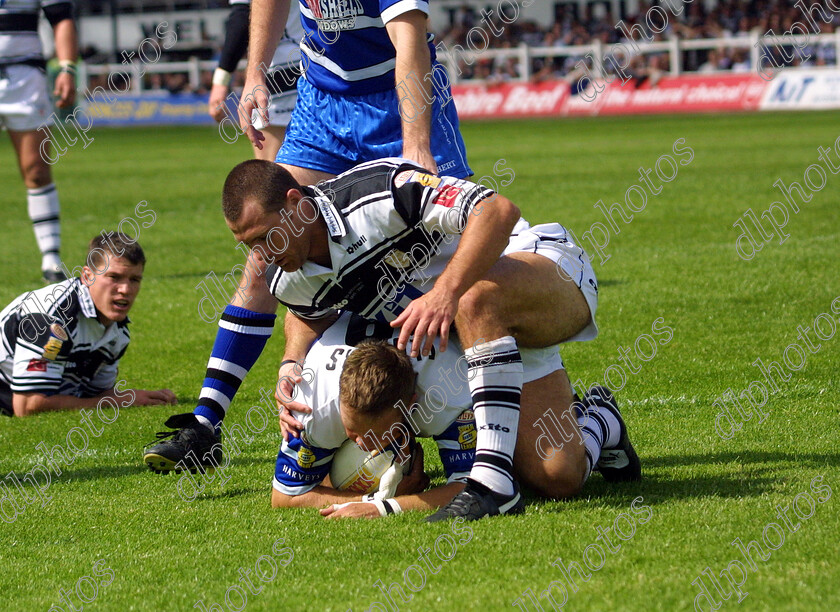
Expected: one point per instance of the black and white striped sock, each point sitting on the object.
(599, 427)
(495, 381)
(43, 212)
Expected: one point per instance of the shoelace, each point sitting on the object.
(462, 501)
(163, 435)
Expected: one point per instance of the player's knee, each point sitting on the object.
(560, 483)
(558, 477)
(480, 302)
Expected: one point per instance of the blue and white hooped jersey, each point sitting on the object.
(346, 49)
(443, 410)
(393, 229)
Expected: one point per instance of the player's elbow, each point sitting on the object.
(283, 500)
(508, 211)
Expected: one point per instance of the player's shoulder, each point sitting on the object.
(63, 303)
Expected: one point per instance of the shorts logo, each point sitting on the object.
(305, 458)
(37, 365)
(57, 338)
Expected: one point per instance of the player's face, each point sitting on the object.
(275, 233)
(372, 433)
(114, 290)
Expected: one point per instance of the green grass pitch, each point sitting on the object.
(676, 260)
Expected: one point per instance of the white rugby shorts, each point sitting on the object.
(24, 100)
(551, 240)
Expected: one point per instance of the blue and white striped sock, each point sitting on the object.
(240, 340)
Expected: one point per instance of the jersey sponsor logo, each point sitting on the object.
(59, 332)
(412, 176)
(355, 246)
(300, 476)
(455, 458)
(305, 458)
(335, 15)
(57, 338)
(447, 196)
(427, 180)
(54, 344)
(402, 178)
(467, 436)
(37, 365)
(467, 416)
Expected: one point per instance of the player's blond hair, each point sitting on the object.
(376, 377)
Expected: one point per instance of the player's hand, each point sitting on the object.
(142, 397)
(416, 480)
(216, 106)
(350, 510)
(425, 318)
(254, 97)
(288, 376)
(65, 89)
(421, 156)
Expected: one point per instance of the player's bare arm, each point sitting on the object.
(318, 497)
(27, 404)
(410, 491)
(413, 62)
(268, 17)
(483, 241)
(66, 50)
(300, 334)
(423, 502)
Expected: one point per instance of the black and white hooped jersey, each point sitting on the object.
(392, 230)
(19, 40)
(53, 343)
(443, 410)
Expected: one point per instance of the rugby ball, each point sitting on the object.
(359, 471)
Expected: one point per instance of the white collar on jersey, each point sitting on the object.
(335, 223)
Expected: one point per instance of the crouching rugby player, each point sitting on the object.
(379, 397)
(61, 345)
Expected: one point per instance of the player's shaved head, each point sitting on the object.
(376, 376)
(256, 180)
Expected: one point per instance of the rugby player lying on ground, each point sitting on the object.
(61, 345)
(391, 243)
(363, 394)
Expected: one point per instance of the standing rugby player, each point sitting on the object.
(282, 74)
(25, 107)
